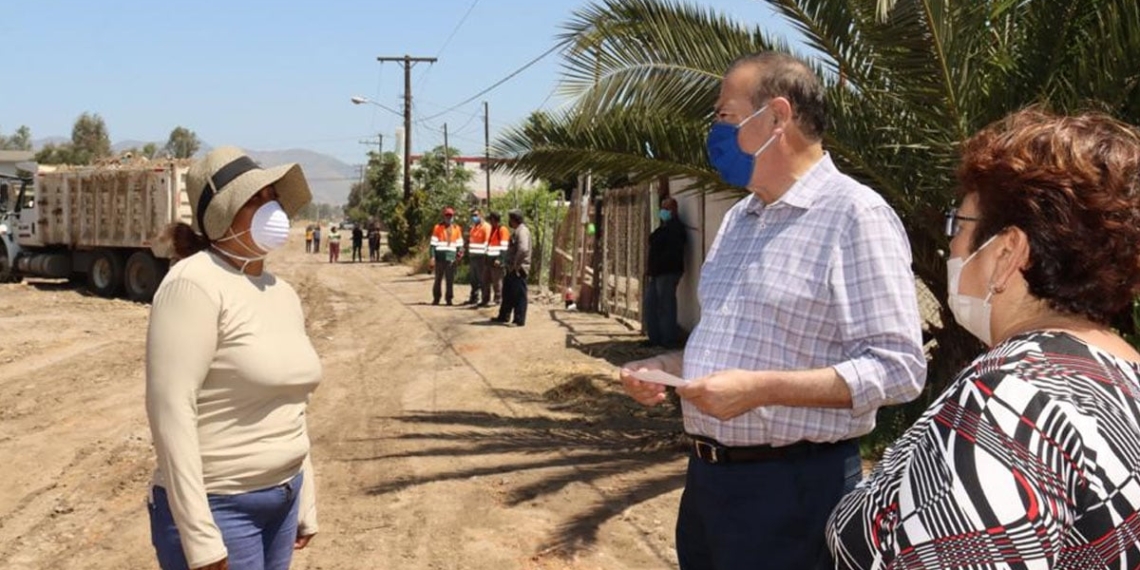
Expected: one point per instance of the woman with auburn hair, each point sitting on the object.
(1031, 457)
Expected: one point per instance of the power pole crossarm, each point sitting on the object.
(408, 61)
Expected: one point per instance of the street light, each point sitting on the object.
(358, 100)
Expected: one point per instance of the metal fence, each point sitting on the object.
(604, 271)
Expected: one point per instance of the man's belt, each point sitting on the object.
(713, 452)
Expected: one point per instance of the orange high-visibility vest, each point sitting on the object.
(446, 238)
(497, 241)
(477, 240)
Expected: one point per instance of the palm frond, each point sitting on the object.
(652, 54)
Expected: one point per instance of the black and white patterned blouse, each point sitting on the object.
(1030, 459)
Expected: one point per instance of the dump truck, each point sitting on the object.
(104, 225)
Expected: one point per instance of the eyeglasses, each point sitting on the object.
(953, 222)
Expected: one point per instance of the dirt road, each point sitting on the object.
(440, 441)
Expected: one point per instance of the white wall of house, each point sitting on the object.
(702, 215)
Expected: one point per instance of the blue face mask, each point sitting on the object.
(733, 164)
(474, 219)
(665, 215)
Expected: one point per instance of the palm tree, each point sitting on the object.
(907, 81)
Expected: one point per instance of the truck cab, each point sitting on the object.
(17, 205)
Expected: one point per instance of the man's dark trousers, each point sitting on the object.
(475, 271)
(661, 310)
(444, 269)
(514, 297)
(765, 514)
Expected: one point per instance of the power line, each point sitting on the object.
(422, 79)
(497, 83)
(457, 26)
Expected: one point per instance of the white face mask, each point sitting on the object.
(269, 230)
(270, 226)
(970, 312)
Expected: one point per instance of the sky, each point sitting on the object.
(273, 75)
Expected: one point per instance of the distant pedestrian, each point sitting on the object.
(477, 254)
(665, 264)
(309, 238)
(374, 244)
(446, 242)
(334, 244)
(497, 239)
(317, 238)
(357, 243)
(517, 266)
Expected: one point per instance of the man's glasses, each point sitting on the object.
(954, 222)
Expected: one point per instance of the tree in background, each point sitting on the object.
(182, 143)
(89, 142)
(543, 209)
(89, 139)
(378, 198)
(373, 198)
(443, 185)
(20, 140)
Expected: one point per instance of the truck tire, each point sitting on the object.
(142, 275)
(105, 276)
(7, 272)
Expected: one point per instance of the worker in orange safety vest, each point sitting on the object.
(477, 254)
(445, 249)
(498, 237)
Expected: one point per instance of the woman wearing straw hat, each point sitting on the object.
(229, 371)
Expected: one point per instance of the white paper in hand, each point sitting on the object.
(658, 377)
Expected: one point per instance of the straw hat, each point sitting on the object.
(225, 179)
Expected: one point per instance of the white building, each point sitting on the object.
(10, 158)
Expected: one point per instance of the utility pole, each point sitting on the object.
(379, 142)
(487, 149)
(446, 155)
(408, 61)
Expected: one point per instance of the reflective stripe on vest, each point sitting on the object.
(447, 238)
(478, 239)
(498, 240)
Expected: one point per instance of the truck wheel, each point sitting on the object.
(142, 276)
(105, 276)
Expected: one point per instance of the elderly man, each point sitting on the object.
(516, 268)
(809, 324)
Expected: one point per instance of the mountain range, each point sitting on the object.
(329, 178)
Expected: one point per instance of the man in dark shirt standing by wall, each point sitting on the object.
(664, 267)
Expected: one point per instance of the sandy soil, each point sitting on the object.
(440, 440)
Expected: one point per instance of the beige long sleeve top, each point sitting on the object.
(229, 372)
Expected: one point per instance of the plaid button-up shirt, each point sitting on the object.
(819, 278)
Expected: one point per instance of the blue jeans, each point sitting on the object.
(661, 310)
(258, 527)
(765, 514)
